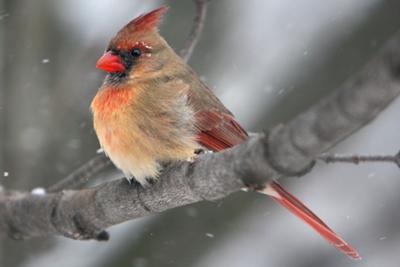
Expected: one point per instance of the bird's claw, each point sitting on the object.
(131, 180)
(199, 151)
(192, 158)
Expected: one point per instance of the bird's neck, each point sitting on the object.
(115, 79)
(109, 99)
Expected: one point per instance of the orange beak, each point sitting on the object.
(110, 63)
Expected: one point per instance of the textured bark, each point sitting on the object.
(288, 150)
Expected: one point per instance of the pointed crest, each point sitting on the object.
(147, 21)
(133, 32)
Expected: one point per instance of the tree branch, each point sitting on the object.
(288, 150)
(357, 159)
(197, 29)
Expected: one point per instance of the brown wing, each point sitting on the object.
(218, 131)
(216, 126)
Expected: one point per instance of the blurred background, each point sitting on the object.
(267, 61)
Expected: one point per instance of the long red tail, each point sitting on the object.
(286, 199)
(218, 131)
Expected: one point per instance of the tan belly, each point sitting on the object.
(138, 155)
(138, 149)
(141, 126)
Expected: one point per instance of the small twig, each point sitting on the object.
(197, 29)
(357, 159)
(82, 175)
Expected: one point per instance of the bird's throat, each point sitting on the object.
(110, 99)
(116, 78)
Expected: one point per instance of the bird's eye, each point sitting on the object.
(136, 52)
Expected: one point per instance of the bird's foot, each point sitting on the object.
(147, 182)
(151, 180)
(199, 151)
(192, 158)
(132, 181)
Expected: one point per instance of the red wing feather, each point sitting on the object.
(218, 131)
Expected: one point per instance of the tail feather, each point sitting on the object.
(286, 199)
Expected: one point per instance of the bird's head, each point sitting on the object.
(137, 50)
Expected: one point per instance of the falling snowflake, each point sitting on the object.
(209, 235)
(38, 191)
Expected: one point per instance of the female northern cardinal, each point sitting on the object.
(152, 108)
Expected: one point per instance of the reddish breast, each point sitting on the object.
(109, 100)
(111, 116)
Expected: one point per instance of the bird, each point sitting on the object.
(152, 108)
